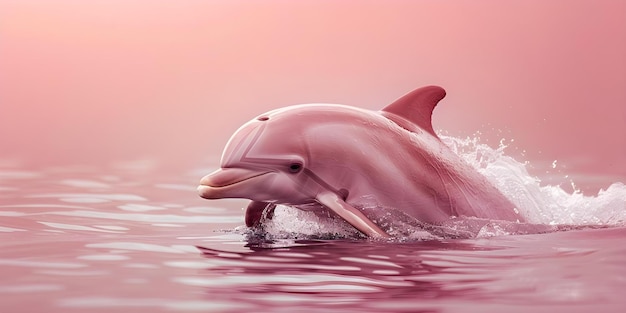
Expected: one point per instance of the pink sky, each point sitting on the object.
(99, 81)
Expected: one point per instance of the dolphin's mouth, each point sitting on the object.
(223, 179)
(228, 177)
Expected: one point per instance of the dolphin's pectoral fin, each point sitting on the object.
(352, 215)
(256, 210)
(415, 107)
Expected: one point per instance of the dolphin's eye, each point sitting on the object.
(295, 167)
(262, 118)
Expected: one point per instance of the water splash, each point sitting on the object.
(541, 204)
(291, 223)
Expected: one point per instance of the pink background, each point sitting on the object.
(94, 82)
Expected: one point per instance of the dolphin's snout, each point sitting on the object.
(217, 184)
(229, 176)
(213, 179)
(206, 192)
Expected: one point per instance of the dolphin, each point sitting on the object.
(338, 158)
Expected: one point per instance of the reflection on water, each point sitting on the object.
(88, 239)
(396, 277)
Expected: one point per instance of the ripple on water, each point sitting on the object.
(190, 264)
(138, 281)
(205, 209)
(292, 280)
(85, 183)
(30, 288)
(185, 187)
(10, 229)
(40, 205)
(84, 200)
(347, 288)
(89, 197)
(111, 227)
(153, 218)
(141, 265)
(370, 262)
(74, 272)
(78, 227)
(167, 225)
(37, 264)
(104, 257)
(16, 174)
(224, 238)
(140, 207)
(146, 247)
(161, 303)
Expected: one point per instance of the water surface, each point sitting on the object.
(133, 238)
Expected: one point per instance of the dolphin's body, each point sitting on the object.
(320, 156)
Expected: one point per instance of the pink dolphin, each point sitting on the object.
(321, 156)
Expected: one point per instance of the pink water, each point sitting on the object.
(111, 111)
(135, 237)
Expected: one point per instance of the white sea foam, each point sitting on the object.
(541, 203)
(290, 222)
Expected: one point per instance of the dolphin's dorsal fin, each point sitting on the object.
(416, 107)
